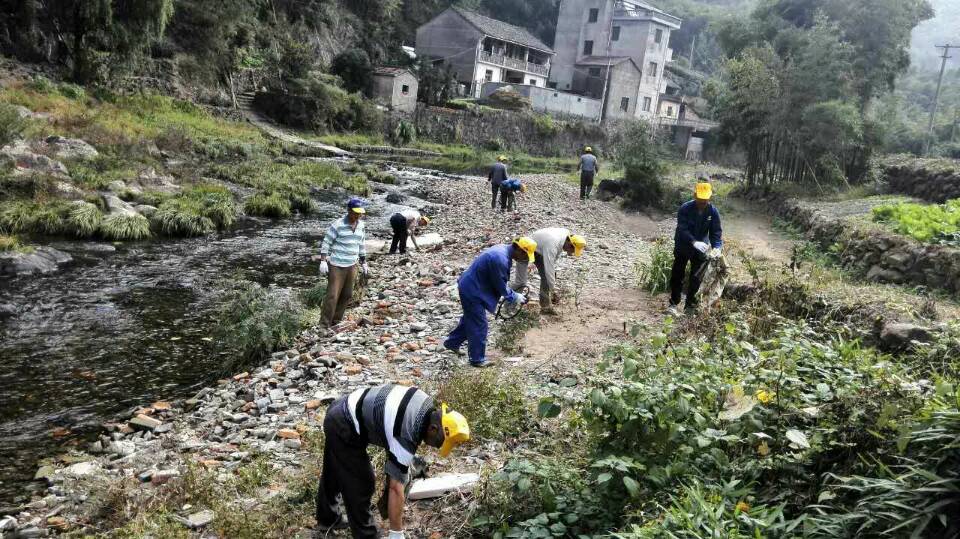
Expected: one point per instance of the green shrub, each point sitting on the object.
(654, 276)
(313, 296)
(9, 243)
(494, 406)
(182, 216)
(42, 85)
(122, 227)
(928, 223)
(641, 160)
(514, 329)
(84, 219)
(255, 321)
(71, 91)
(16, 216)
(404, 134)
(272, 205)
(545, 125)
(11, 124)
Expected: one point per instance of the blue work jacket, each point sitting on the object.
(695, 226)
(512, 184)
(485, 281)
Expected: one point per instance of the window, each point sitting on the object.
(652, 69)
(624, 104)
(533, 82)
(587, 48)
(405, 89)
(646, 104)
(616, 34)
(670, 112)
(594, 15)
(594, 72)
(488, 76)
(658, 37)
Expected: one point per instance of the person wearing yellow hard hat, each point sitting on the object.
(481, 287)
(405, 224)
(342, 254)
(551, 243)
(699, 236)
(498, 175)
(396, 418)
(508, 194)
(589, 168)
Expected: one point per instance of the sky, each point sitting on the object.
(943, 28)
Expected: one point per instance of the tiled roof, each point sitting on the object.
(391, 71)
(501, 30)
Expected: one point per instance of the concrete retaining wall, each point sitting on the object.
(882, 256)
(501, 130)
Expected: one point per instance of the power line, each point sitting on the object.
(936, 100)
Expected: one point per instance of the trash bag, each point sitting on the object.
(716, 273)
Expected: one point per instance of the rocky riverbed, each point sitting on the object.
(270, 415)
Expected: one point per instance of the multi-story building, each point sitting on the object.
(480, 49)
(614, 50)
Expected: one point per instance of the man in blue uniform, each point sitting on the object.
(508, 193)
(481, 287)
(699, 236)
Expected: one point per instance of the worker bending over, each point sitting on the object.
(551, 243)
(699, 237)
(589, 168)
(481, 287)
(508, 194)
(498, 175)
(404, 225)
(396, 418)
(341, 254)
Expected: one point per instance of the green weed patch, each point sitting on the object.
(928, 223)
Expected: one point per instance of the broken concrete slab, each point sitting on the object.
(435, 487)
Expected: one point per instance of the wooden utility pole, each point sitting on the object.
(933, 113)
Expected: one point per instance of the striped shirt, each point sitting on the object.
(392, 417)
(342, 244)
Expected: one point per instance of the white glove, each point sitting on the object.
(519, 298)
(324, 268)
(365, 269)
(700, 246)
(396, 535)
(714, 253)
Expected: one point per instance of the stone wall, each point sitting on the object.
(511, 131)
(934, 180)
(880, 255)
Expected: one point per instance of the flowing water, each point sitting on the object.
(113, 330)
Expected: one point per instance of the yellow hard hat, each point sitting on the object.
(578, 242)
(588, 149)
(455, 429)
(425, 219)
(501, 157)
(527, 244)
(523, 188)
(704, 191)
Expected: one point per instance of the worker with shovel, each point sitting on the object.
(551, 243)
(390, 416)
(481, 287)
(698, 237)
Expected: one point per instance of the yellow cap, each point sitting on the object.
(527, 244)
(455, 429)
(361, 211)
(588, 149)
(578, 242)
(426, 220)
(704, 191)
(502, 158)
(523, 188)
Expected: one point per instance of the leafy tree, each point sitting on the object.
(437, 83)
(354, 68)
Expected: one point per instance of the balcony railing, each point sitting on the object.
(697, 125)
(514, 63)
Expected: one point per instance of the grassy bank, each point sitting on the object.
(460, 159)
(139, 139)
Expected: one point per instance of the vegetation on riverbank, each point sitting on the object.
(928, 223)
(754, 421)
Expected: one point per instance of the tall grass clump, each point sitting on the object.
(654, 276)
(272, 205)
(8, 243)
(495, 406)
(313, 296)
(12, 125)
(16, 216)
(84, 219)
(123, 227)
(255, 321)
(197, 211)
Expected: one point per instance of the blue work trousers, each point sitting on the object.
(472, 328)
